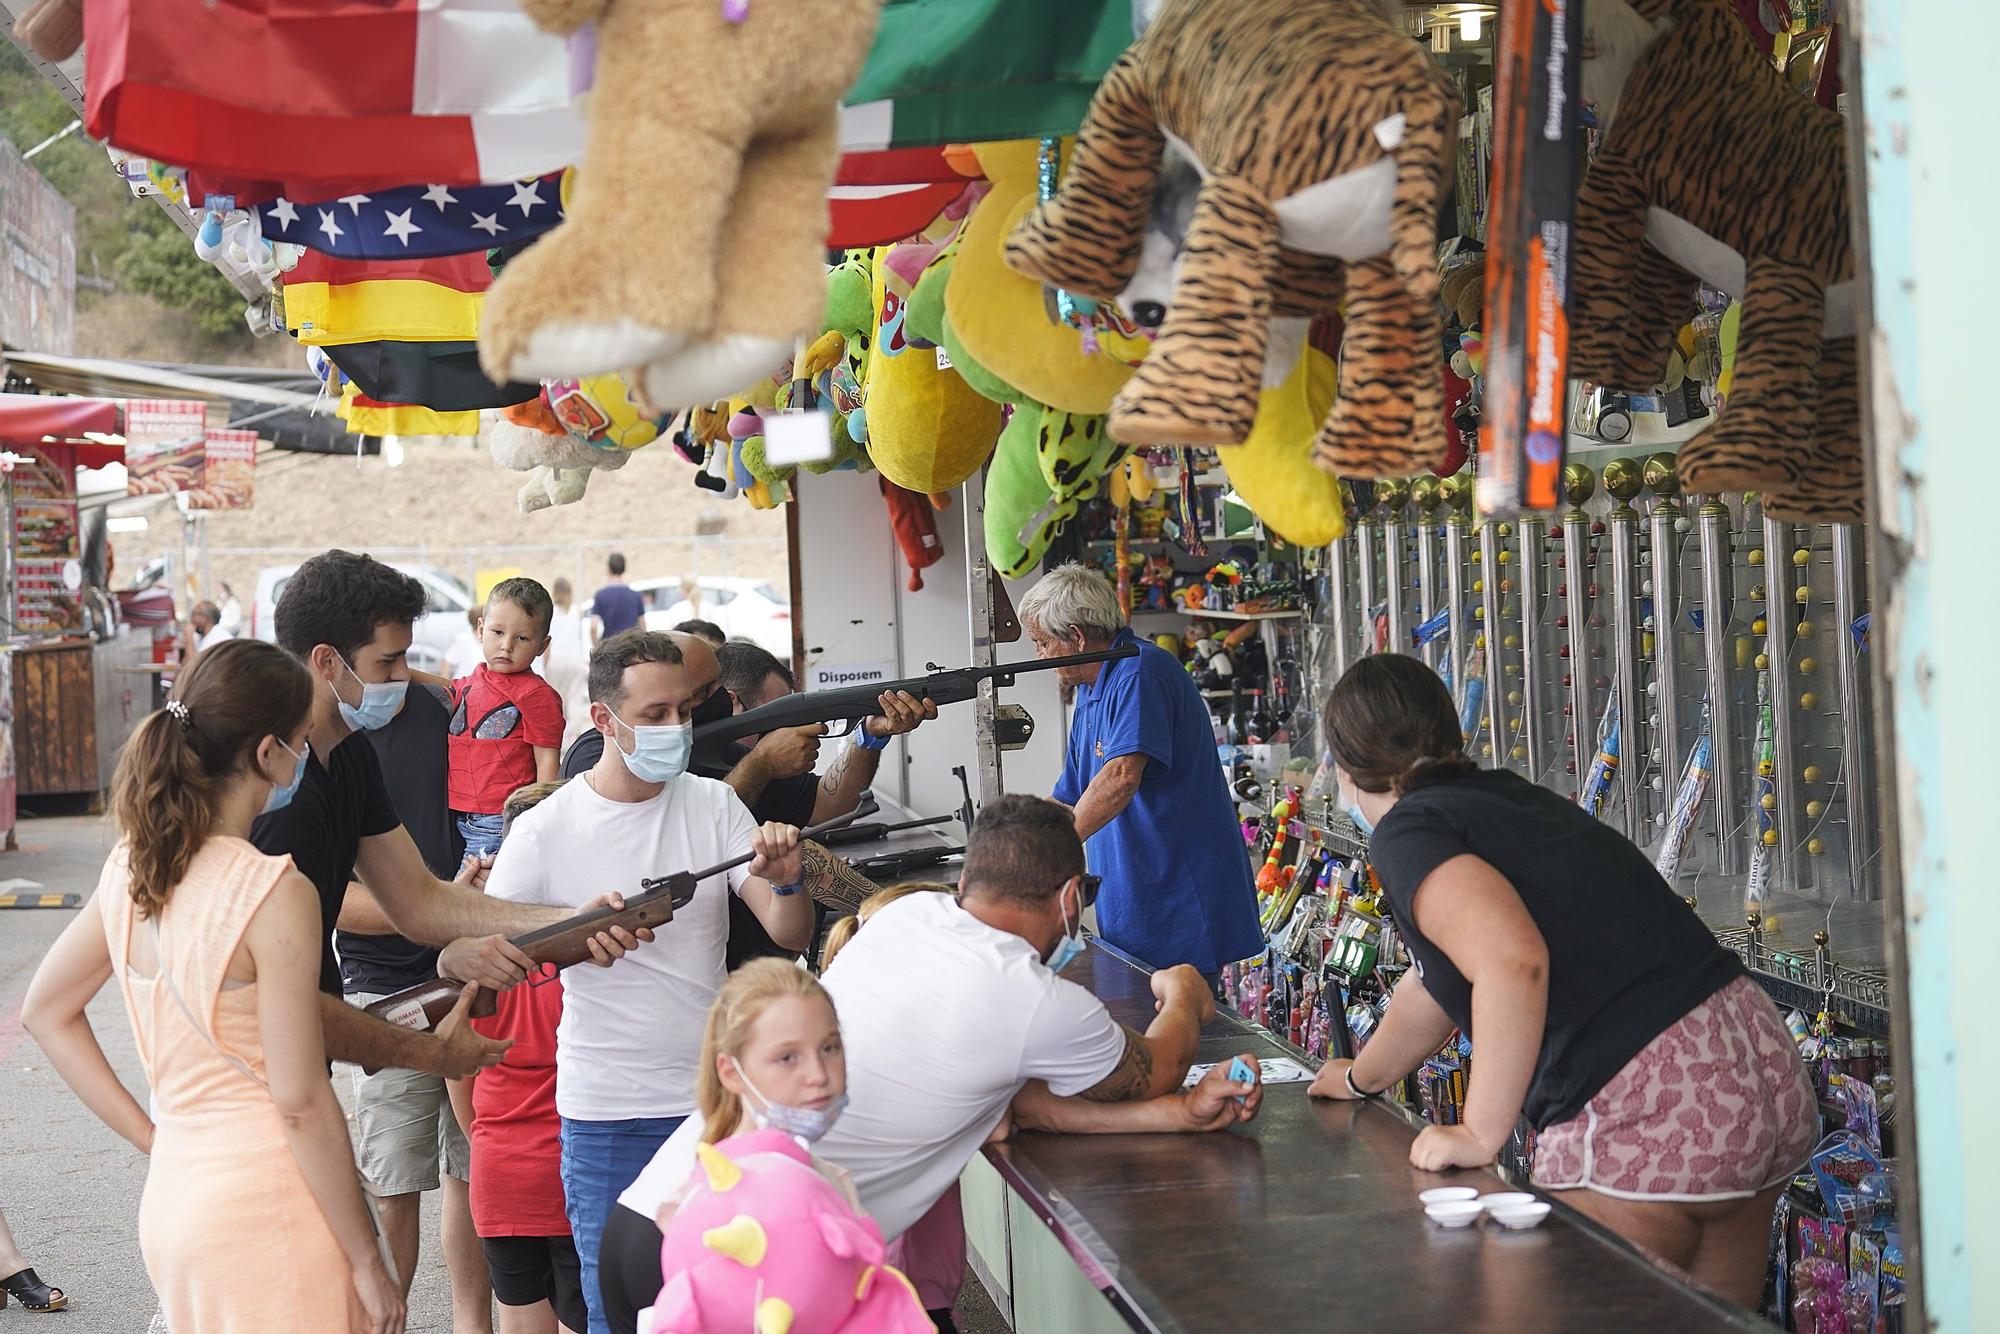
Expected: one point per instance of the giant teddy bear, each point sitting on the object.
(763, 1244)
(1712, 165)
(1323, 135)
(694, 245)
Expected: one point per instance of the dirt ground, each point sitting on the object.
(451, 505)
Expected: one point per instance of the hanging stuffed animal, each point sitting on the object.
(715, 296)
(1323, 134)
(558, 464)
(763, 1244)
(928, 430)
(1712, 165)
(914, 521)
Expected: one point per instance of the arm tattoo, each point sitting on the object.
(831, 881)
(835, 772)
(1133, 1076)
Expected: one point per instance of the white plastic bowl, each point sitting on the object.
(1505, 1199)
(1449, 1195)
(1520, 1217)
(1454, 1213)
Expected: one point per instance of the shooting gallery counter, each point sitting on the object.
(1306, 1219)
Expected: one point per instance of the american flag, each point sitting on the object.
(417, 221)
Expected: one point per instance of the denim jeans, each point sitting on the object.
(599, 1160)
(481, 833)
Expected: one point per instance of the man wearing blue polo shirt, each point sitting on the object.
(1151, 803)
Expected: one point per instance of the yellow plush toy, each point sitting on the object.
(711, 293)
(1002, 317)
(1273, 469)
(928, 430)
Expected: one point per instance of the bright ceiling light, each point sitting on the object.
(1468, 24)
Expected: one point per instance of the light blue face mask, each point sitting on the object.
(282, 793)
(381, 701)
(1353, 809)
(1069, 946)
(808, 1125)
(658, 754)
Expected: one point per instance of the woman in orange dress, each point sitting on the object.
(252, 1218)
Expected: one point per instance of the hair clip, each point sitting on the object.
(180, 713)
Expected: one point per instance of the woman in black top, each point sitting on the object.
(1670, 1101)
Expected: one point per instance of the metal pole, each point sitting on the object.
(1365, 554)
(1534, 536)
(979, 624)
(1489, 623)
(1456, 618)
(1624, 526)
(1780, 616)
(1427, 586)
(1576, 605)
(1396, 583)
(1856, 767)
(1727, 805)
(1340, 603)
(1668, 755)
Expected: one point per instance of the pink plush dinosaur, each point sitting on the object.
(764, 1243)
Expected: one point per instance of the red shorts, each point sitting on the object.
(1716, 1107)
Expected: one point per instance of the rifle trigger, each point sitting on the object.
(543, 975)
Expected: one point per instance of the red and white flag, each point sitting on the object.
(381, 92)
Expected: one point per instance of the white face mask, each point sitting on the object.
(381, 701)
(658, 754)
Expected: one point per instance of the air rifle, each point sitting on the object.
(561, 944)
(852, 704)
(867, 833)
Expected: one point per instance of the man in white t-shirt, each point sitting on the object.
(949, 1014)
(630, 1037)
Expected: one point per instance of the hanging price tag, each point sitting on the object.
(944, 358)
(797, 437)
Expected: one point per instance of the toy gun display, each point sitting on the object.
(852, 704)
(561, 944)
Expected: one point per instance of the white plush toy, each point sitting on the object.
(559, 466)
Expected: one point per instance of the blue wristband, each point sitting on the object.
(867, 740)
(786, 891)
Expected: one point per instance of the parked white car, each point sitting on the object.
(442, 622)
(749, 609)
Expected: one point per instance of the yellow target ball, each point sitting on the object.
(1810, 773)
(1487, 750)
(1769, 801)
(1802, 557)
(1802, 595)
(1506, 530)
(1805, 628)
(1479, 585)
(1479, 641)
(1763, 661)
(1770, 838)
(1511, 641)
(1815, 809)
(1476, 556)
(1514, 697)
(1760, 626)
(1808, 664)
(1519, 752)
(1815, 846)
(1479, 613)
(1506, 556)
(1770, 922)
(1809, 700)
(1756, 555)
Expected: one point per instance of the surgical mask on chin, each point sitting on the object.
(282, 794)
(1071, 945)
(808, 1125)
(381, 701)
(1353, 810)
(658, 754)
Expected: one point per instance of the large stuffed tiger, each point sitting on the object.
(1323, 134)
(1712, 165)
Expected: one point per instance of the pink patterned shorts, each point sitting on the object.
(1716, 1107)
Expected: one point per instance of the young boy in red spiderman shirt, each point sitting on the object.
(506, 722)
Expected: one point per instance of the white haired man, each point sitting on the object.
(1152, 804)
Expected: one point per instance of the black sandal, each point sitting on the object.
(28, 1289)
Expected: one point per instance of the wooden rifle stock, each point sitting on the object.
(562, 944)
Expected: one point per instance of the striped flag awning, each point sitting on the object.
(417, 221)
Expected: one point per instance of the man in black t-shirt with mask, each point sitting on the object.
(773, 773)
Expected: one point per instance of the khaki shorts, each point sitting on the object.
(405, 1135)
